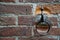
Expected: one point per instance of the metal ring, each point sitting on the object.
(49, 26)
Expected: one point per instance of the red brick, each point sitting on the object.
(20, 0)
(56, 1)
(15, 31)
(25, 20)
(7, 38)
(7, 0)
(54, 21)
(43, 38)
(54, 31)
(31, 1)
(7, 21)
(55, 8)
(39, 0)
(24, 39)
(52, 39)
(37, 38)
(55, 24)
(16, 9)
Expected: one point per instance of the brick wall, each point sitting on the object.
(17, 19)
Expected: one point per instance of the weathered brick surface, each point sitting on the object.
(15, 31)
(7, 38)
(43, 38)
(25, 20)
(49, 9)
(33, 1)
(37, 38)
(54, 8)
(17, 9)
(54, 21)
(52, 31)
(7, 0)
(7, 21)
(30, 1)
(20, 0)
(55, 24)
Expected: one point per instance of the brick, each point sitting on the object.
(36, 1)
(7, 38)
(16, 9)
(49, 9)
(24, 39)
(7, 21)
(31, 1)
(20, 0)
(55, 8)
(54, 21)
(25, 20)
(37, 38)
(56, 1)
(46, 0)
(52, 31)
(15, 31)
(43, 38)
(7, 0)
(55, 24)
